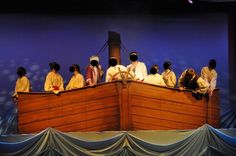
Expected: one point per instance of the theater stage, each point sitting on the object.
(205, 140)
(119, 118)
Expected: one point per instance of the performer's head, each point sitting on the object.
(212, 64)
(94, 60)
(133, 56)
(167, 65)
(190, 73)
(54, 66)
(21, 71)
(154, 69)
(112, 61)
(74, 67)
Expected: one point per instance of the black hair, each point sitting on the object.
(154, 69)
(21, 71)
(55, 66)
(112, 61)
(166, 65)
(73, 67)
(212, 63)
(133, 56)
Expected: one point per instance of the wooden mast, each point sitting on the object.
(114, 45)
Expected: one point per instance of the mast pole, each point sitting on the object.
(114, 45)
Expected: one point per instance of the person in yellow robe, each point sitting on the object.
(54, 81)
(77, 80)
(22, 82)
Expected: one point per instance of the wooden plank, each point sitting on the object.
(144, 102)
(124, 106)
(68, 109)
(156, 92)
(70, 119)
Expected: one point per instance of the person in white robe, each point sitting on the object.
(137, 69)
(168, 75)
(154, 77)
(209, 74)
(114, 69)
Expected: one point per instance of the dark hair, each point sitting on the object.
(212, 63)
(190, 71)
(77, 67)
(166, 65)
(21, 71)
(154, 69)
(73, 67)
(55, 66)
(113, 61)
(133, 56)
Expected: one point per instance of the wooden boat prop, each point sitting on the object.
(114, 106)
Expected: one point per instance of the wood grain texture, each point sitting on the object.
(116, 106)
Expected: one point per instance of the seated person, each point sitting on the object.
(22, 82)
(54, 81)
(209, 74)
(190, 80)
(94, 71)
(113, 69)
(137, 69)
(168, 75)
(154, 77)
(77, 80)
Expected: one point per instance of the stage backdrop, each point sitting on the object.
(34, 40)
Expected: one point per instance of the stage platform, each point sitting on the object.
(205, 140)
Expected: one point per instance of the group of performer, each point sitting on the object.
(189, 79)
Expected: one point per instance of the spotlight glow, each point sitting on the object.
(190, 1)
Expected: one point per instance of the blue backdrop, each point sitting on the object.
(34, 40)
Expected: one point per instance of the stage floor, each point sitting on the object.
(205, 140)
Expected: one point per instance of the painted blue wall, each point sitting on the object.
(33, 41)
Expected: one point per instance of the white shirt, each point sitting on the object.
(169, 78)
(155, 79)
(209, 76)
(53, 79)
(113, 70)
(76, 81)
(203, 85)
(139, 71)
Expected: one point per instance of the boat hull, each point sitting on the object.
(119, 105)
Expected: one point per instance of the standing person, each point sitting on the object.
(138, 69)
(113, 69)
(94, 71)
(77, 80)
(190, 80)
(54, 81)
(154, 77)
(209, 74)
(168, 75)
(22, 82)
